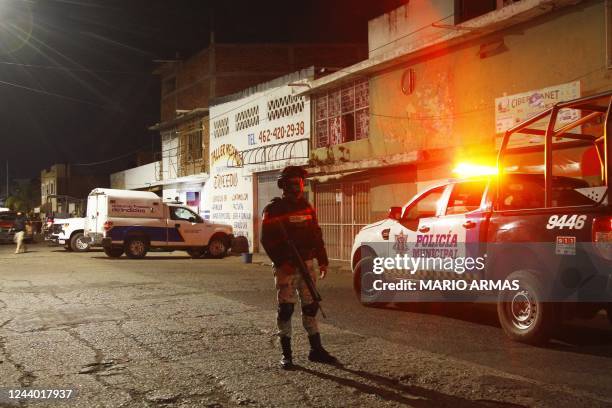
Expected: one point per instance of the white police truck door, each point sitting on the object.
(418, 225)
(185, 228)
(461, 223)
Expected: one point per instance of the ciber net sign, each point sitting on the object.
(511, 110)
(258, 133)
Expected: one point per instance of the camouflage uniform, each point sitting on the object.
(289, 281)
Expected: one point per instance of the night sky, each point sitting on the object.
(75, 75)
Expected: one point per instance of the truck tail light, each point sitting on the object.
(602, 236)
(108, 225)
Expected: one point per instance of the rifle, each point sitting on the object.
(314, 293)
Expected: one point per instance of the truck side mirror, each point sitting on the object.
(395, 213)
(192, 219)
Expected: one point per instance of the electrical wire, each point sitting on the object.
(108, 160)
(69, 98)
(61, 68)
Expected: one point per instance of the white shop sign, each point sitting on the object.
(261, 132)
(511, 110)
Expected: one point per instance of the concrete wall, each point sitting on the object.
(137, 177)
(409, 24)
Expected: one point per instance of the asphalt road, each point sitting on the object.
(172, 331)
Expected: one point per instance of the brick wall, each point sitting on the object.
(195, 96)
(227, 85)
(252, 58)
(192, 69)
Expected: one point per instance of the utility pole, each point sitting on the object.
(7, 179)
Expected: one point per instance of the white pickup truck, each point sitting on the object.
(70, 232)
(134, 222)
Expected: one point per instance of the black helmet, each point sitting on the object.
(288, 173)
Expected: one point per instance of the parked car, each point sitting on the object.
(7, 223)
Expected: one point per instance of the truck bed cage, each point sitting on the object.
(590, 110)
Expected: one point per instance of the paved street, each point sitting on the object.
(172, 331)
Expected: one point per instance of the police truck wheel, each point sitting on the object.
(79, 243)
(363, 278)
(136, 248)
(113, 252)
(217, 248)
(196, 252)
(522, 313)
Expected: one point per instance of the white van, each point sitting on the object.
(134, 222)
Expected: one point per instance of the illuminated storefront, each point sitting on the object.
(253, 134)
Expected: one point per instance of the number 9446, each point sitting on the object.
(566, 221)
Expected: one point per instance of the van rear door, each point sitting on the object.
(96, 215)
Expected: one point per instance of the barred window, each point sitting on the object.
(192, 142)
(342, 115)
(195, 144)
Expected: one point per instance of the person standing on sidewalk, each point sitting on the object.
(19, 228)
(293, 217)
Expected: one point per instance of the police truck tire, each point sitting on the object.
(136, 248)
(113, 252)
(217, 248)
(78, 242)
(523, 314)
(196, 252)
(363, 276)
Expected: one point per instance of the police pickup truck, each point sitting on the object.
(542, 222)
(134, 222)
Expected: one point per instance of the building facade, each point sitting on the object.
(255, 133)
(64, 188)
(188, 86)
(145, 178)
(443, 81)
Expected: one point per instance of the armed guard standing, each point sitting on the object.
(291, 218)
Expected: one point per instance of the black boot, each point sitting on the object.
(286, 362)
(318, 353)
